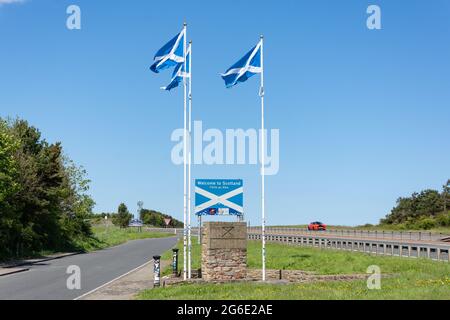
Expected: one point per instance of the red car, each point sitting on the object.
(317, 226)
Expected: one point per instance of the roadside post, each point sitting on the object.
(175, 262)
(157, 271)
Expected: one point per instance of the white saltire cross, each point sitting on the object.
(215, 199)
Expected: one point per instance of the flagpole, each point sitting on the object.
(190, 161)
(185, 160)
(263, 168)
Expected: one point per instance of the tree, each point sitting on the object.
(43, 195)
(420, 209)
(123, 217)
(9, 186)
(156, 219)
(446, 194)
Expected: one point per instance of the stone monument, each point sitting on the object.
(224, 251)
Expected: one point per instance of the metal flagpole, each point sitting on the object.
(190, 162)
(263, 168)
(185, 161)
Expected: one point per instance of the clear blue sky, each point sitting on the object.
(363, 115)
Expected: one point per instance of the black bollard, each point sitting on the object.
(175, 262)
(157, 271)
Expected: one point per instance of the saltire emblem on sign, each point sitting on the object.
(219, 197)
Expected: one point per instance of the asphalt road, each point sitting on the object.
(47, 281)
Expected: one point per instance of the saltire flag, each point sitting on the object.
(245, 68)
(171, 54)
(182, 70)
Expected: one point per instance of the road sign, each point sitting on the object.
(219, 197)
(136, 223)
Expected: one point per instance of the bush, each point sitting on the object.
(443, 220)
(426, 224)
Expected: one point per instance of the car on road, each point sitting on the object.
(317, 226)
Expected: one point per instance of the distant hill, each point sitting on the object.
(156, 219)
(427, 209)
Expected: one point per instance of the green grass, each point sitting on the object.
(412, 278)
(103, 237)
(111, 236)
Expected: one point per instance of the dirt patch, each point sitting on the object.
(272, 277)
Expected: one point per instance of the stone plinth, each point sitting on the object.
(224, 251)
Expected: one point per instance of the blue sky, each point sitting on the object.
(363, 115)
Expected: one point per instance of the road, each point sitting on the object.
(47, 281)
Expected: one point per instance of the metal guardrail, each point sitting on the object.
(397, 235)
(379, 243)
(390, 247)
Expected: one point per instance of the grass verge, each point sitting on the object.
(111, 236)
(414, 279)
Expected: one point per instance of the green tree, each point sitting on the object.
(123, 217)
(446, 194)
(9, 221)
(43, 195)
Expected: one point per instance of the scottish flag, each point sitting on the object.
(182, 70)
(221, 197)
(171, 54)
(245, 68)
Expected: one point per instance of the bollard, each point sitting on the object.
(175, 262)
(157, 271)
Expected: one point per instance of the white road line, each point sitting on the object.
(118, 278)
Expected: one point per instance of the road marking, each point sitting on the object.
(115, 279)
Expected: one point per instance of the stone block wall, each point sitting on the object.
(224, 251)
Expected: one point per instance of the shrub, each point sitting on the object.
(426, 224)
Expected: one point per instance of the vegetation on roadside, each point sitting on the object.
(423, 210)
(44, 203)
(148, 217)
(410, 278)
(157, 219)
(109, 236)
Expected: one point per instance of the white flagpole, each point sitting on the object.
(190, 162)
(263, 167)
(185, 162)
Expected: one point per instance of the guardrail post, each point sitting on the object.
(157, 271)
(175, 262)
(428, 253)
(438, 250)
(392, 250)
(409, 251)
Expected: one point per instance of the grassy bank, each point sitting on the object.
(110, 236)
(414, 279)
(102, 237)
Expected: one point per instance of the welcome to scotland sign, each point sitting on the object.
(219, 197)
